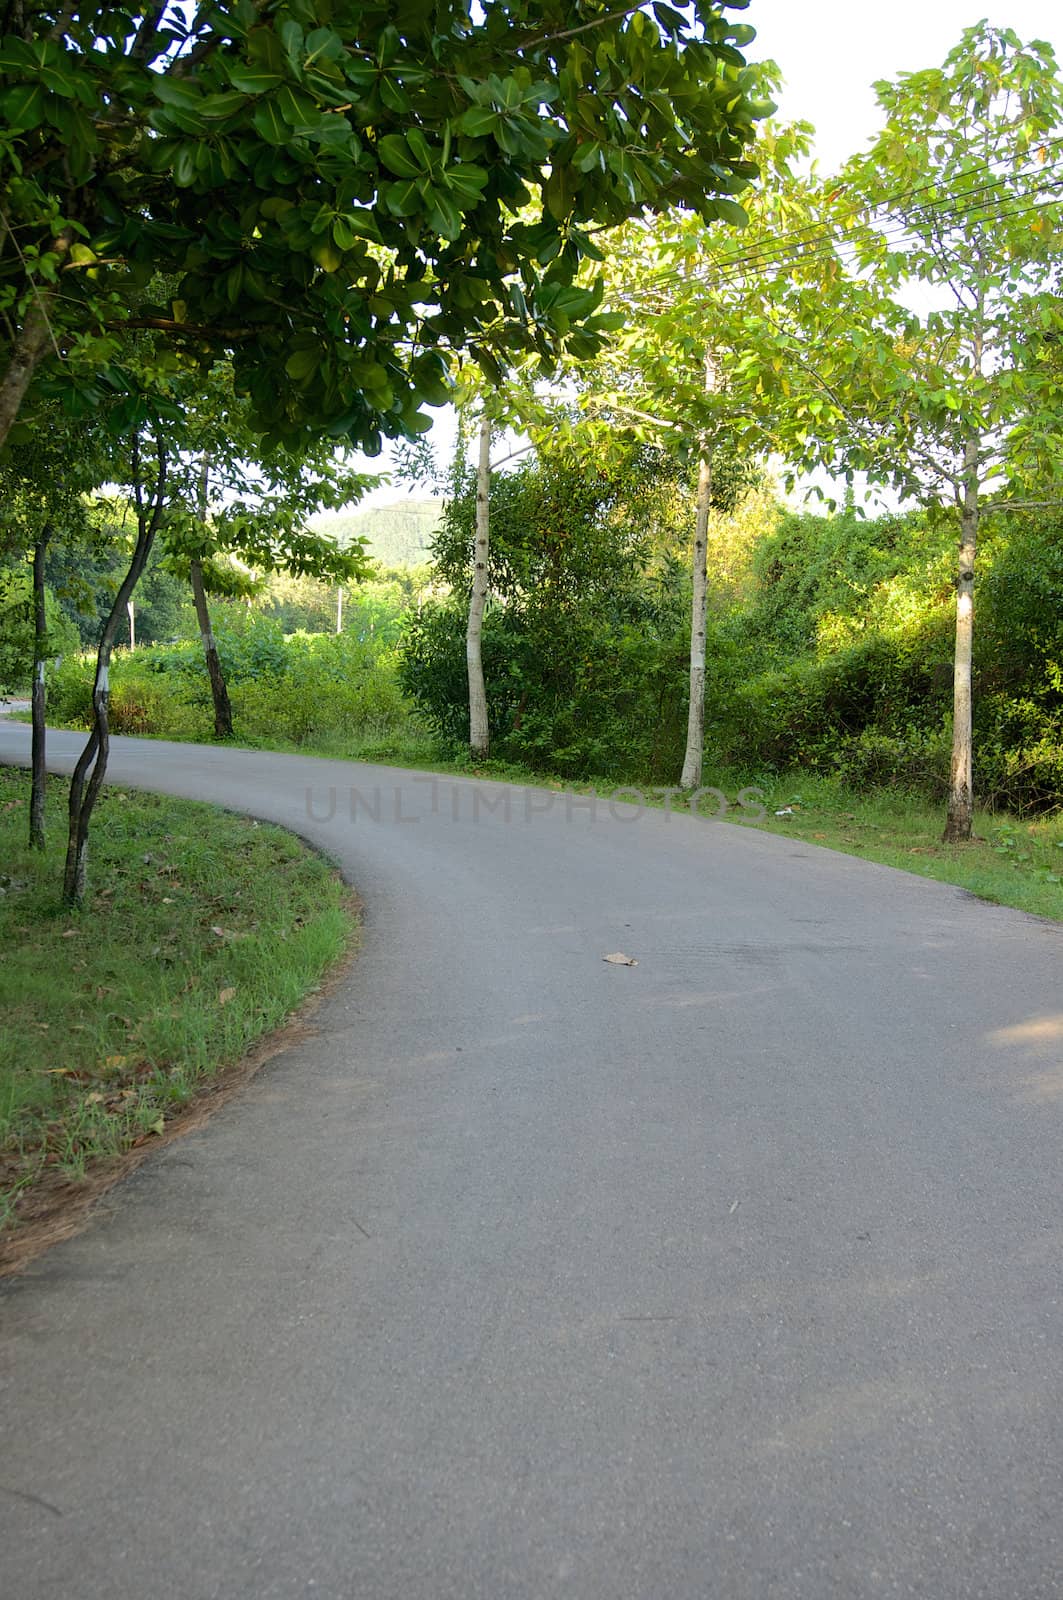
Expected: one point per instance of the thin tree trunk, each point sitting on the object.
(960, 815)
(695, 750)
(479, 737)
(692, 761)
(223, 711)
(131, 613)
(38, 776)
(88, 775)
(28, 347)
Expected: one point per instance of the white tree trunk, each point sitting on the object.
(692, 761)
(960, 815)
(479, 739)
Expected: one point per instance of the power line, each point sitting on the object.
(820, 240)
(780, 249)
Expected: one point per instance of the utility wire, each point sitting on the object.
(807, 245)
(786, 246)
(904, 197)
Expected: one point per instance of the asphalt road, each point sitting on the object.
(735, 1275)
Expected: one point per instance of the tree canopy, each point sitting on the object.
(339, 197)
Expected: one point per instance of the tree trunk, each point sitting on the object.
(38, 777)
(28, 348)
(692, 761)
(131, 613)
(88, 775)
(29, 345)
(479, 737)
(960, 813)
(223, 711)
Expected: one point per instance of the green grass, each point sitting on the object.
(1009, 861)
(203, 931)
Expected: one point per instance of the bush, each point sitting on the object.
(306, 688)
(585, 694)
(69, 683)
(17, 631)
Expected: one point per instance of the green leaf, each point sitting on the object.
(478, 121)
(269, 123)
(395, 154)
(302, 364)
(466, 184)
(298, 109)
(730, 211)
(23, 106)
(184, 166)
(326, 255)
(343, 235)
(254, 80)
(419, 146)
(217, 106)
(403, 199)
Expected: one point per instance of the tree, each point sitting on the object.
(148, 487)
(952, 210)
(570, 537)
(336, 198)
(479, 737)
(677, 371)
(43, 482)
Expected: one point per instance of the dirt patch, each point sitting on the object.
(56, 1206)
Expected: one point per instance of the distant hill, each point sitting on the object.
(399, 535)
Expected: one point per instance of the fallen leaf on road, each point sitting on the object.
(618, 959)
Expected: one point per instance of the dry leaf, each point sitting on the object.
(225, 995)
(70, 933)
(113, 1062)
(618, 959)
(93, 1099)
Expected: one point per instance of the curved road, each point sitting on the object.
(731, 1276)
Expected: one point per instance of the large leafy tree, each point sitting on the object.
(689, 370)
(338, 196)
(912, 322)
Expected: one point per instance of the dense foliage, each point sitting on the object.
(338, 197)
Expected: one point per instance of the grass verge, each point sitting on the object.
(204, 932)
(1009, 861)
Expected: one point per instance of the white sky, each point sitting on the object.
(831, 52)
